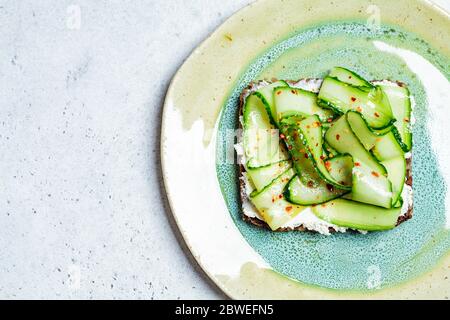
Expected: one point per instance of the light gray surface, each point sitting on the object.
(82, 210)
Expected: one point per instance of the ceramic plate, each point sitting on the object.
(400, 40)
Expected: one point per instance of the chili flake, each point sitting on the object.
(228, 37)
(338, 137)
(353, 99)
(377, 114)
(375, 174)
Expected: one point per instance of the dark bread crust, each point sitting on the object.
(259, 223)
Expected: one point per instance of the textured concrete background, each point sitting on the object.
(82, 210)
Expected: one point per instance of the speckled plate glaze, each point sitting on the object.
(294, 39)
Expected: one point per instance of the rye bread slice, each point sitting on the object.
(252, 87)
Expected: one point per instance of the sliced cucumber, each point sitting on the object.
(370, 184)
(383, 131)
(359, 126)
(387, 147)
(365, 134)
(356, 215)
(400, 100)
(342, 138)
(396, 169)
(272, 206)
(390, 154)
(300, 193)
(370, 187)
(261, 138)
(340, 168)
(292, 101)
(299, 155)
(399, 203)
(311, 130)
(347, 76)
(342, 97)
(263, 176)
(329, 151)
(266, 96)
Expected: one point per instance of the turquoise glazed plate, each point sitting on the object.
(406, 41)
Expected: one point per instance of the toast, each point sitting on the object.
(246, 206)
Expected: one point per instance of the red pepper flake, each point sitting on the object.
(329, 119)
(306, 156)
(289, 208)
(375, 174)
(330, 187)
(338, 137)
(323, 205)
(310, 184)
(294, 92)
(289, 147)
(322, 157)
(308, 126)
(317, 144)
(328, 165)
(357, 164)
(278, 93)
(377, 114)
(282, 136)
(359, 109)
(316, 124)
(280, 196)
(349, 77)
(353, 99)
(406, 119)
